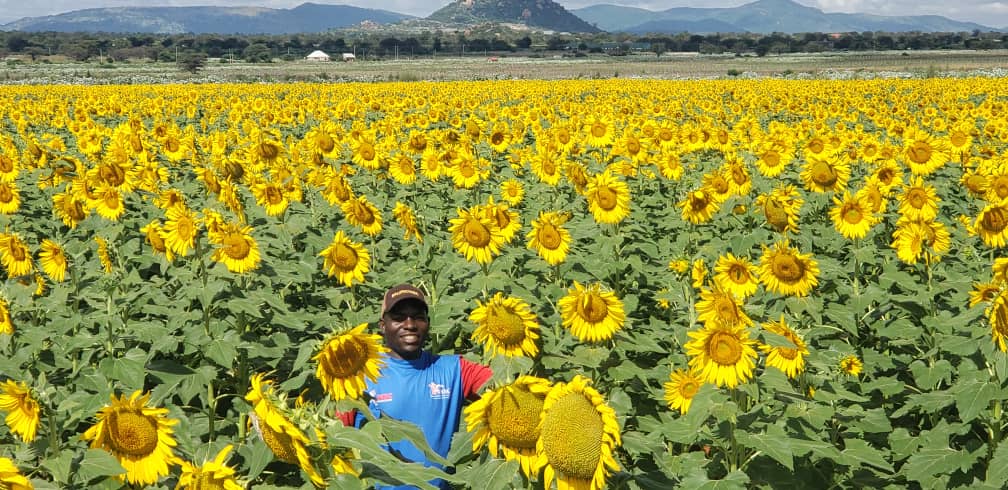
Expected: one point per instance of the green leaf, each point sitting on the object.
(997, 468)
(858, 453)
(492, 474)
(973, 397)
(734, 480)
(256, 456)
(933, 461)
(128, 369)
(774, 443)
(60, 466)
(98, 463)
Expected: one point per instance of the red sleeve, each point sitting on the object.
(474, 376)
(347, 417)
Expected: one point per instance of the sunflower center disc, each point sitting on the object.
(475, 233)
(919, 152)
(514, 418)
(994, 220)
(347, 359)
(236, 247)
(775, 214)
(325, 143)
(505, 325)
(688, 389)
(549, 237)
(344, 257)
(572, 436)
(725, 349)
(273, 195)
(917, 198)
(363, 214)
(598, 130)
(787, 268)
(132, 433)
(6, 195)
(593, 308)
(852, 215)
(606, 198)
(823, 174)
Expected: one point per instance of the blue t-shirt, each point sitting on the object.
(426, 391)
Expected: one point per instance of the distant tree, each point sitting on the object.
(192, 62)
(524, 43)
(257, 53)
(16, 43)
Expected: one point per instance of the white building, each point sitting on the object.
(349, 57)
(317, 56)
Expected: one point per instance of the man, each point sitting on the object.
(416, 385)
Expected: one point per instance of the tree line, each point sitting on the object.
(109, 47)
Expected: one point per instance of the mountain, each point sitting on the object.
(307, 17)
(762, 16)
(545, 14)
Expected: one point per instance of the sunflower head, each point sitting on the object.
(506, 420)
(140, 437)
(345, 360)
(578, 434)
(506, 325)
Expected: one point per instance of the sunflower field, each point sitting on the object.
(707, 284)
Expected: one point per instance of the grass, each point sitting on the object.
(668, 66)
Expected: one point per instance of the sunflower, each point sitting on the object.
(918, 201)
(608, 198)
(698, 274)
(140, 437)
(549, 238)
(916, 239)
(271, 196)
(682, 386)
(736, 275)
(785, 270)
(506, 326)
(788, 357)
(70, 208)
(722, 355)
(361, 213)
(512, 191)
(825, 173)
(15, 256)
(237, 250)
(983, 292)
(720, 307)
(346, 259)
(578, 434)
(773, 158)
(851, 365)
(346, 361)
(507, 220)
(875, 197)
(781, 207)
(852, 217)
(506, 421)
(22, 409)
(10, 198)
(6, 323)
(407, 220)
(475, 236)
(154, 234)
(11, 478)
(923, 153)
(699, 206)
(287, 442)
(53, 259)
(402, 168)
(103, 254)
(468, 170)
(590, 313)
(214, 474)
(180, 230)
(546, 165)
(992, 224)
(599, 131)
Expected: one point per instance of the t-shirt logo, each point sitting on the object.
(438, 391)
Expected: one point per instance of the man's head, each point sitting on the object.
(404, 322)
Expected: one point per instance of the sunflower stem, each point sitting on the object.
(211, 410)
(53, 448)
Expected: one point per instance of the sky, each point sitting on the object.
(985, 12)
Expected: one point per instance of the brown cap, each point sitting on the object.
(398, 293)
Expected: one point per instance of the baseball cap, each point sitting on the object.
(395, 294)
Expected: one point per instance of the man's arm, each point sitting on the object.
(474, 376)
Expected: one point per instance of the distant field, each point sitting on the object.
(909, 64)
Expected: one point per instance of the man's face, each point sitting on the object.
(405, 329)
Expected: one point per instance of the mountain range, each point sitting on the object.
(761, 16)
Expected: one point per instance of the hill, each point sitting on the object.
(307, 17)
(544, 14)
(762, 16)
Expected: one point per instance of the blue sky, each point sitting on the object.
(984, 12)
